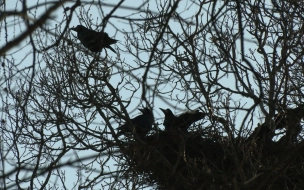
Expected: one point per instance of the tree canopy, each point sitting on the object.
(230, 71)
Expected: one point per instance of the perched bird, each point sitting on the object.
(290, 119)
(182, 121)
(142, 123)
(262, 133)
(94, 41)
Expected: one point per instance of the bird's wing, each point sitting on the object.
(186, 119)
(88, 36)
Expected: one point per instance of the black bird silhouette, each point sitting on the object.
(182, 121)
(142, 123)
(262, 133)
(290, 119)
(94, 41)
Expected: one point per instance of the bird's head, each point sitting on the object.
(167, 112)
(78, 28)
(145, 111)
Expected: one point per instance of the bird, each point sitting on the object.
(262, 133)
(94, 41)
(183, 121)
(290, 119)
(142, 123)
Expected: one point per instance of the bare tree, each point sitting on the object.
(240, 63)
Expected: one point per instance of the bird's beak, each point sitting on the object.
(75, 29)
(163, 110)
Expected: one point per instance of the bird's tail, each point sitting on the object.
(111, 49)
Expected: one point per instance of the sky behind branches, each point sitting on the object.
(117, 27)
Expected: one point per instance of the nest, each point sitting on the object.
(178, 160)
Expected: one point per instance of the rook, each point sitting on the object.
(182, 121)
(94, 41)
(142, 123)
